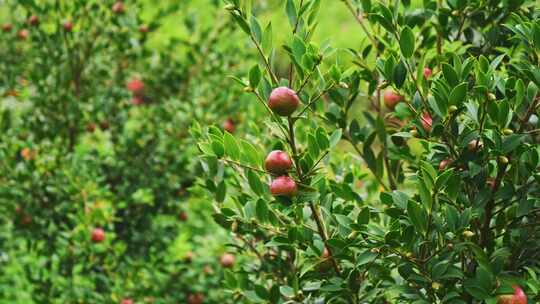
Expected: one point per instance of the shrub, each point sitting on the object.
(433, 201)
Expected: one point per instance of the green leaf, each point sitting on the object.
(221, 191)
(267, 38)
(458, 95)
(261, 210)
(450, 75)
(254, 76)
(231, 146)
(417, 216)
(255, 182)
(399, 74)
(291, 12)
(256, 29)
(335, 138)
(406, 42)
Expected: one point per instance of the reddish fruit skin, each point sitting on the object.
(283, 186)
(444, 164)
(68, 26)
(23, 34)
(427, 121)
(183, 216)
(283, 101)
(127, 301)
(98, 235)
(137, 100)
(227, 260)
(33, 20)
(135, 86)
(91, 127)
(228, 125)
(195, 298)
(427, 73)
(7, 27)
(391, 99)
(143, 29)
(278, 162)
(118, 7)
(519, 297)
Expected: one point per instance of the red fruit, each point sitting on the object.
(391, 99)
(519, 297)
(228, 125)
(195, 298)
(137, 100)
(68, 26)
(283, 101)
(118, 8)
(444, 164)
(427, 121)
(104, 125)
(427, 73)
(7, 27)
(283, 186)
(26, 220)
(278, 162)
(135, 86)
(91, 127)
(183, 216)
(33, 20)
(127, 301)
(143, 29)
(98, 235)
(227, 260)
(23, 34)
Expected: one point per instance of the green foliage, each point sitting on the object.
(435, 201)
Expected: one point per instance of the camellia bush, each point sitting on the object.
(96, 159)
(403, 169)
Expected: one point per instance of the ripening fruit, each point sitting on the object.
(228, 125)
(227, 260)
(143, 29)
(444, 164)
(118, 8)
(182, 216)
(33, 20)
(283, 101)
(283, 186)
(23, 34)
(475, 145)
(135, 86)
(26, 220)
(189, 257)
(27, 154)
(195, 298)
(137, 100)
(127, 301)
(427, 121)
(278, 162)
(7, 27)
(325, 263)
(427, 73)
(91, 127)
(391, 99)
(68, 26)
(98, 235)
(519, 297)
(104, 125)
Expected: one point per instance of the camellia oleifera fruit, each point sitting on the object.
(195, 298)
(98, 235)
(391, 99)
(427, 73)
(283, 101)
(427, 121)
(135, 86)
(227, 260)
(118, 8)
(228, 125)
(519, 297)
(127, 301)
(283, 186)
(278, 162)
